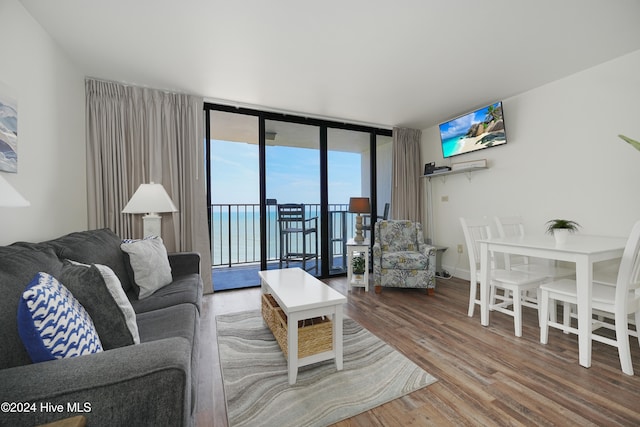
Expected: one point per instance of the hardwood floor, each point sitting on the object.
(486, 376)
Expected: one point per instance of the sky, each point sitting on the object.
(293, 174)
(461, 125)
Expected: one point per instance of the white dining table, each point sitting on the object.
(583, 250)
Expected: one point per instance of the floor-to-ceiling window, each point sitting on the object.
(293, 184)
(234, 188)
(259, 161)
(348, 175)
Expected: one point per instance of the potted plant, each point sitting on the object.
(560, 228)
(358, 267)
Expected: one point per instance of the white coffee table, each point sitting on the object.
(302, 296)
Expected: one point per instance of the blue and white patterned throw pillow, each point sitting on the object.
(52, 323)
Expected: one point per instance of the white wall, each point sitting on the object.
(563, 159)
(51, 131)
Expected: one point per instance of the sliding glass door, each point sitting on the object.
(261, 163)
(292, 183)
(348, 175)
(234, 199)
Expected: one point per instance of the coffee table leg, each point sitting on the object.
(292, 344)
(337, 336)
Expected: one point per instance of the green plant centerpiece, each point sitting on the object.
(560, 228)
(562, 224)
(358, 264)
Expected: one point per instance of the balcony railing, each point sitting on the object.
(235, 232)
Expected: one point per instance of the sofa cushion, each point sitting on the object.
(183, 289)
(150, 264)
(99, 291)
(175, 321)
(404, 260)
(18, 265)
(52, 323)
(100, 246)
(182, 320)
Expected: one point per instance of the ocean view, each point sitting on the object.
(450, 146)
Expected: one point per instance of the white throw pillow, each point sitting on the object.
(150, 264)
(117, 293)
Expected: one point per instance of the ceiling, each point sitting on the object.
(410, 63)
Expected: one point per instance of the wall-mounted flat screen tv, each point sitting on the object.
(474, 131)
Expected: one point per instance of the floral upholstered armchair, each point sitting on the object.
(401, 259)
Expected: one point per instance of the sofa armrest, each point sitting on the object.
(144, 384)
(184, 263)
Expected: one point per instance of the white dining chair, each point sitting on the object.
(514, 226)
(513, 283)
(619, 301)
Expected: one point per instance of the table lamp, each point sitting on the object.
(9, 196)
(151, 199)
(359, 205)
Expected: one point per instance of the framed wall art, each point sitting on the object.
(8, 130)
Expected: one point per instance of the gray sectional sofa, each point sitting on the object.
(147, 384)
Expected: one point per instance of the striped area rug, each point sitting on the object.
(257, 391)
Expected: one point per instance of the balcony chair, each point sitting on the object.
(620, 301)
(385, 215)
(295, 232)
(401, 259)
(514, 284)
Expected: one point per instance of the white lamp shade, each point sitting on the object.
(10, 197)
(150, 198)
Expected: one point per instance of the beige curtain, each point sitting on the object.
(137, 135)
(406, 200)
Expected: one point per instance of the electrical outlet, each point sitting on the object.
(460, 249)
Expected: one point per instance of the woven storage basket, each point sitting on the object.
(269, 308)
(314, 335)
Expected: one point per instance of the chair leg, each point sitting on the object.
(492, 296)
(304, 250)
(517, 312)
(538, 298)
(473, 289)
(637, 317)
(431, 292)
(281, 250)
(315, 238)
(543, 306)
(566, 316)
(622, 338)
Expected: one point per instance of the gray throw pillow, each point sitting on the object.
(119, 296)
(89, 288)
(150, 264)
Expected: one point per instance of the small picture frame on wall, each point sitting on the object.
(8, 130)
